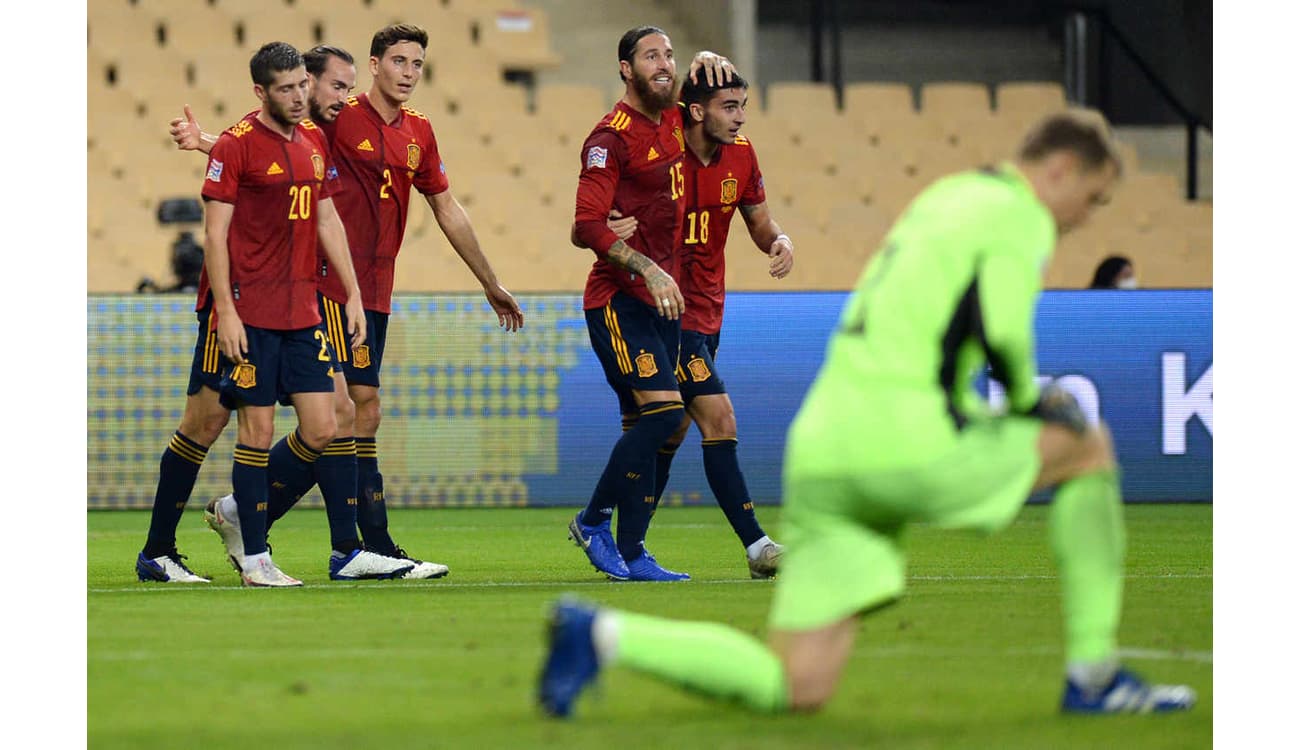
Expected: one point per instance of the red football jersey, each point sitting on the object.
(712, 194)
(631, 163)
(378, 164)
(275, 185)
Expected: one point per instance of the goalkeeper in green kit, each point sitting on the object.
(892, 432)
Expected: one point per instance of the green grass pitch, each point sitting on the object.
(970, 659)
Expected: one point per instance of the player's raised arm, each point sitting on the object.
(456, 226)
(188, 136)
(769, 238)
(334, 240)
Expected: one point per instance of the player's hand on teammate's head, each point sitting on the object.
(509, 315)
(185, 131)
(1058, 406)
(716, 67)
(622, 226)
(782, 258)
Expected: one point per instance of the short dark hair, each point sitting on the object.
(317, 57)
(1108, 271)
(701, 92)
(1083, 132)
(272, 58)
(397, 32)
(627, 45)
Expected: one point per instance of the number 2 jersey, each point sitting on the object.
(632, 164)
(378, 164)
(713, 192)
(274, 184)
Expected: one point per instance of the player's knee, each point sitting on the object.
(208, 427)
(1096, 450)
(318, 434)
(366, 416)
(345, 415)
(715, 416)
(660, 419)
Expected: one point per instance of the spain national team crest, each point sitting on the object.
(645, 365)
(318, 166)
(361, 356)
(244, 375)
(729, 190)
(412, 156)
(699, 369)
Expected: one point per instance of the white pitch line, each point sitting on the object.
(386, 586)
(864, 651)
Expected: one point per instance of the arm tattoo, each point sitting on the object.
(625, 257)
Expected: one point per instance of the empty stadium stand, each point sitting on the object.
(836, 172)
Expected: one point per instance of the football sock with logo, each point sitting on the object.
(177, 471)
(249, 478)
(722, 469)
(702, 657)
(630, 474)
(1086, 529)
(290, 474)
(336, 472)
(600, 508)
(372, 513)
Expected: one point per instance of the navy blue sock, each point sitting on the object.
(629, 476)
(372, 514)
(722, 469)
(600, 508)
(249, 478)
(663, 462)
(336, 472)
(291, 476)
(177, 471)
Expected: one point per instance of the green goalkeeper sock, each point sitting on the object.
(702, 657)
(1086, 527)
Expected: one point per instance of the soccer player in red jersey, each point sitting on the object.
(632, 162)
(382, 149)
(331, 74)
(268, 203)
(722, 177)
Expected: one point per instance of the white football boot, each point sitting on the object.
(222, 516)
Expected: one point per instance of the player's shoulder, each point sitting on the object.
(618, 121)
(241, 128)
(413, 112)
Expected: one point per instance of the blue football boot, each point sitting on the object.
(598, 542)
(571, 657)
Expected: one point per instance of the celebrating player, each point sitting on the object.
(383, 149)
(722, 176)
(891, 432)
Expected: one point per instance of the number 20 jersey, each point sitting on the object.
(274, 184)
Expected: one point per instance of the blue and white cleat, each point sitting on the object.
(598, 542)
(362, 564)
(166, 569)
(1127, 694)
(647, 568)
(571, 662)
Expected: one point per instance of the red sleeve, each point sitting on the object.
(754, 191)
(603, 154)
(431, 178)
(225, 164)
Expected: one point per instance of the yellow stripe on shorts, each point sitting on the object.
(616, 339)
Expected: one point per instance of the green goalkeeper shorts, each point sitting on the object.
(843, 534)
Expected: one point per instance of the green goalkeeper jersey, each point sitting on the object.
(953, 288)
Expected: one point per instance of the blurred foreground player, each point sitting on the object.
(891, 432)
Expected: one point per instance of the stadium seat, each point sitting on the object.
(798, 103)
(518, 37)
(1029, 100)
(561, 99)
